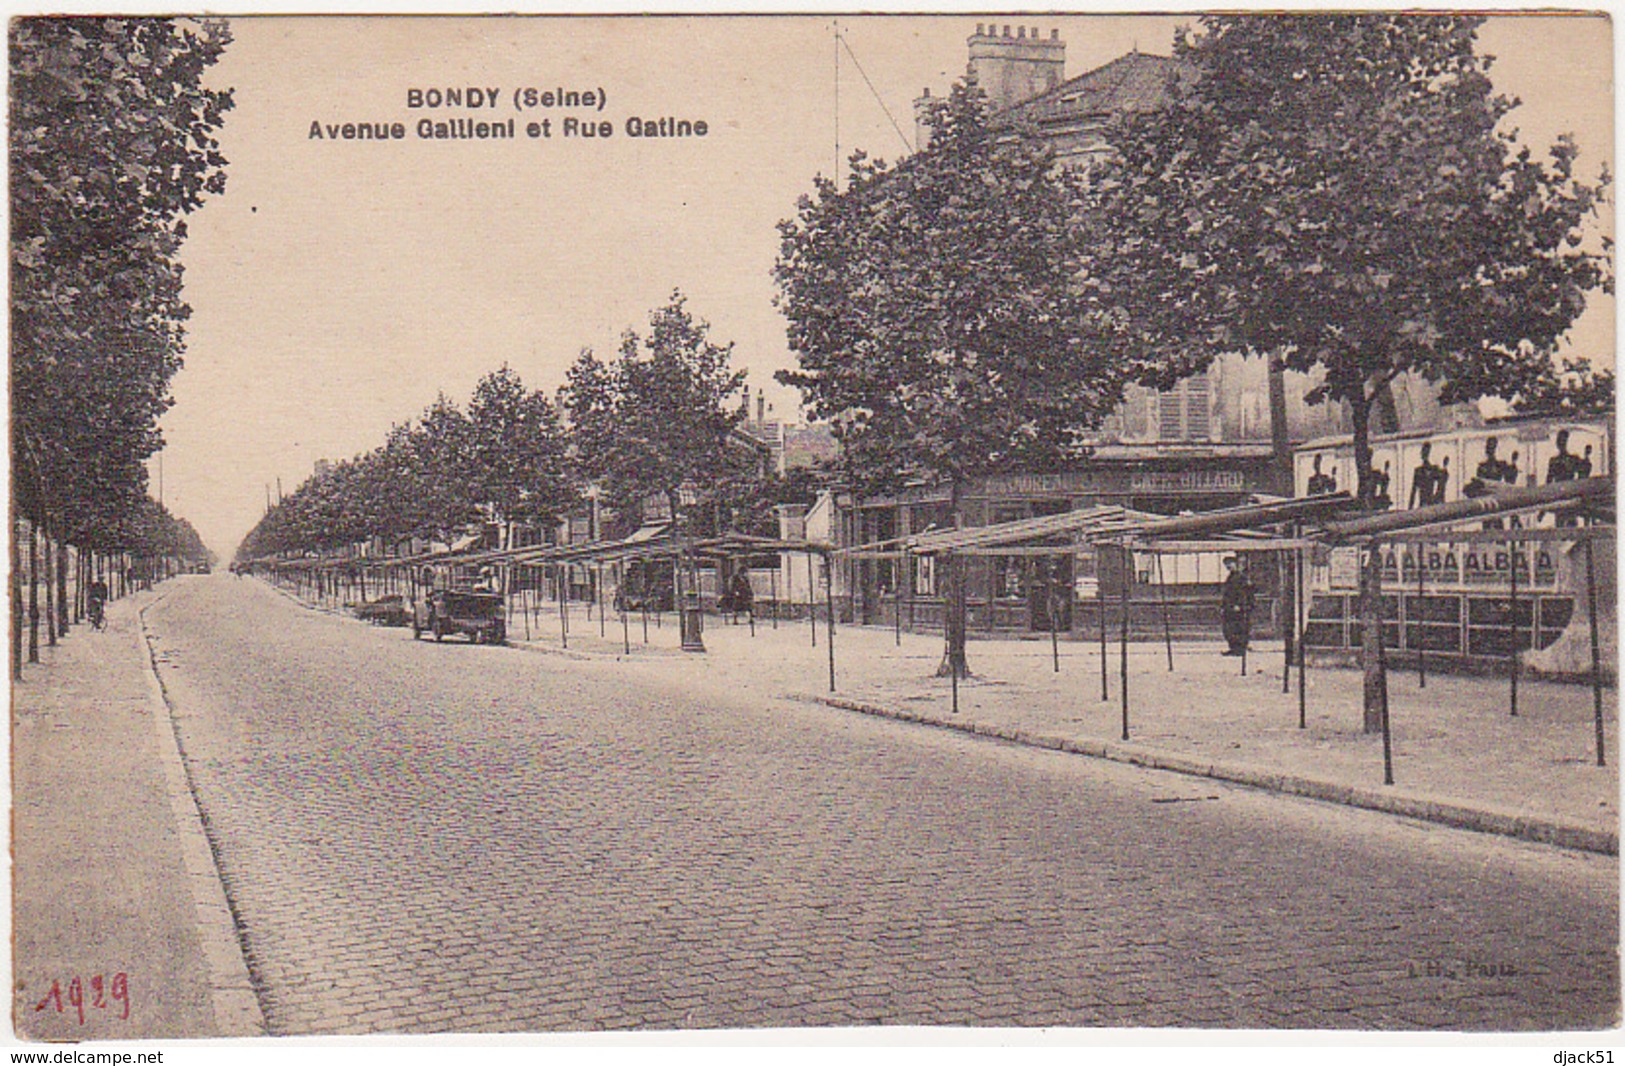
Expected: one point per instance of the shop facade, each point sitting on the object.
(1059, 584)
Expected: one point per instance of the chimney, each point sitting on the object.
(1014, 69)
(761, 407)
(922, 132)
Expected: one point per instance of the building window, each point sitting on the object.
(1170, 413)
(1197, 424)
(925, 575)
(1184, 412)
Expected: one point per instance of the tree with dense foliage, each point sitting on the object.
(943, 316)
(1570, 389)
(517, 447)
(111, 143)
(1342, 190)
(661, 418)
(503, 461)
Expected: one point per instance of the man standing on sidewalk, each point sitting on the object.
(1236, 608)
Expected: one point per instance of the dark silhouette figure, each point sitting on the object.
(97, 597)
(1567, 467)
(1428, 481)
(1380, 481)
(1236, 608)
(741, 600)
(1492, 473)
(1564, 467)
(1321, 484)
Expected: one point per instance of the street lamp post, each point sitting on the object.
(690, 618)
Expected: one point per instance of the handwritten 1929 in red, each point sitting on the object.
(103, 994)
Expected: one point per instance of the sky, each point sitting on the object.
(339, 286)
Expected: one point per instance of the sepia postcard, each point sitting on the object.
(871, 527)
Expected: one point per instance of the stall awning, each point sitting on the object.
(1564, 495)
(1088, 523)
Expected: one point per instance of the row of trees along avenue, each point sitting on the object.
(111, 144)
(655, 422)
(503, 461)
(1341, 193)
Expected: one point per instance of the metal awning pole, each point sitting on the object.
(1049, 609)
(947, 624)
(1282, 561)
(829, 594)
(1512, 625)
(1122, 633)
(913, 590)
(812, 607)
(564, 612)
(897, 600)
(1421, 613)
(773, 590)
(1596, 660)
(1382, 671)
(1100, 611)
(1302, 578)
(620, 594)
(1167, 628)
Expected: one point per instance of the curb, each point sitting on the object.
(232, 993)
(1538, 830)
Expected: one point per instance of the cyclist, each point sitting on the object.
(97, 595)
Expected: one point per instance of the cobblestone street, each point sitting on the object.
(439, 837)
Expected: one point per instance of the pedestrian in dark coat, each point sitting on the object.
(1236, 608)
(741, 601)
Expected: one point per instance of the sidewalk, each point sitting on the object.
(111, 871)
(1459, 757)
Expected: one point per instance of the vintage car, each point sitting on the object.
(384, 611)
(480, 615)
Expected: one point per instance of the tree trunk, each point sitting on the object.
(1280, 428)
(1370, 602)
(50, 589)
(62, 587)
(954, 662)
(1387, 409)
(33, 592)
(16, 601)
